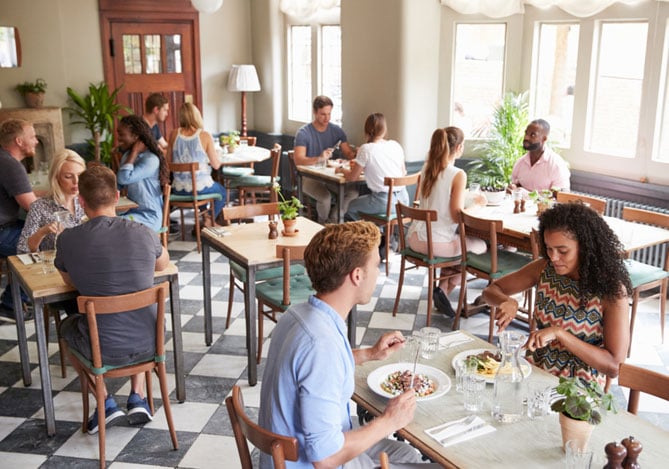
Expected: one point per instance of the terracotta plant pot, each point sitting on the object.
(289, 226)
(33, 99)
(573, 429)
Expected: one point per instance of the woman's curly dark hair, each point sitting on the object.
(600, 254)
(141, 129)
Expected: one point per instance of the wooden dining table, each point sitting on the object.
(535, 443)
(44, 288)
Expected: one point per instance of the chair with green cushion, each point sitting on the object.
(255, 184)
(646, 277)
(493, 264)
(230, 173)
(449, 264)
(388, 219)
(237, 272)
(93, 373)
(276, 295)
(193, 202)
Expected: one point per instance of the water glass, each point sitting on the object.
(577, 457)
(411, 349)
(473, 386)
(474, 187)
(538, 401)
(430, 341)
(46, 259)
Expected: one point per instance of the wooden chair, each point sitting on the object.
(260, 184)
(281, 448)
(491, 265)
(642, 380)
(250, 141)
(429, 260)
(388, 219)
(646, 277)
(276, 295)
(230, 173)
(595, 203)
(164, 230)
(237, 273)
(193, 202)
(383, 459)
(92, 373)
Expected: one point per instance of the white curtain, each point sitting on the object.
(502, 8)
(305, 9)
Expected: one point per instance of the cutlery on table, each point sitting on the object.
(461, 433)
(466, 422)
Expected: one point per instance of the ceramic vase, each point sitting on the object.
(573, 429)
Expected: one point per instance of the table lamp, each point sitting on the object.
(207, 6)
(243, 78)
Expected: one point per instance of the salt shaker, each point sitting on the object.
(273, 231)
(633, 447)
(615, 454)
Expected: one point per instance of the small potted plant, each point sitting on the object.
(581, 408)
(289, 209)
(543, 199)
(231, 140)
(33, 92)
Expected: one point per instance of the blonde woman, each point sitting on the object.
(40, 229)
(442, 188)
(188, 144)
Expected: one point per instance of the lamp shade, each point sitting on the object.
(243, 78)
(207, 6)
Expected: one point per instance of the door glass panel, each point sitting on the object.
(132, 54)
(173, 53)
(152, 47)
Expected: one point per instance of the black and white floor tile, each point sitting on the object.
(204, 433)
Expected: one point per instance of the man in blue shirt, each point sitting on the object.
(316, 142)
(309, 375)
(156, 110)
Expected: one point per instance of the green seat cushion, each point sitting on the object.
(380, 217)
(641, 273)
(105, 368)
(507, 262)
(424, 257)
(252, 181)
(266, 274)
(189, 198)
(271, 291)
(236, 171)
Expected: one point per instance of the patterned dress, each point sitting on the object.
(559, 304)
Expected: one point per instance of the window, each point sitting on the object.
(615, 96)
(314, 67)
(555, 55)
(478, 76)
(661, 153)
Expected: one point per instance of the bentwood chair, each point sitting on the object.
(164, 230)
(255, 185)
(595, 203)
(493, 264)
(237, 273)
(281, 448)
(201, 204)
(450, 265)
(388, 219)
(644, 276)
(92, 373)
(276, 295)
(642, 380)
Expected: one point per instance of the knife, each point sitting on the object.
(459, 434)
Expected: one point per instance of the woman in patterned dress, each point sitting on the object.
(583, 289)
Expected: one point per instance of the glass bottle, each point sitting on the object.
(508, 394)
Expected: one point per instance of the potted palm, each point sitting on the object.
(580, 408)
(33, 92)
(289, 209)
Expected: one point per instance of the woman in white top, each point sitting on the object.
(190, 143)
(379, 158)
(442, 188)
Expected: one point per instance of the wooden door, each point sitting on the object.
(148, 51)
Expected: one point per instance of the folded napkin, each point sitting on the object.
(451, 339)
(27, 259)
(459, 431)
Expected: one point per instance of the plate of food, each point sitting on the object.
(392, 380)
(488, 362)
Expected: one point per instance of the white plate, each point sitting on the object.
(379, 375)
(524, 364)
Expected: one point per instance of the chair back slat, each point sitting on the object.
(416, 214)
(646, 216)
(187, 168)
(642, 380)
(240, 212)
(288, 253)
(595, 203)
(164, 235)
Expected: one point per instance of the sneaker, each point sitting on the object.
(113, 414)
(442, 303)
(138, 410)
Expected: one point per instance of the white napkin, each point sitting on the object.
(452, 339)
(26, 259)
(459, 431)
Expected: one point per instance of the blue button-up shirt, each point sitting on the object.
(141, 179)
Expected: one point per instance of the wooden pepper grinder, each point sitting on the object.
(633, 447)
(273, 231)
(615, 454)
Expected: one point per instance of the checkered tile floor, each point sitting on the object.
(204, 433)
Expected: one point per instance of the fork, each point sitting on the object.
(466, 422)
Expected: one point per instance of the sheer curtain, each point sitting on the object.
(502, 8)
(306, 8)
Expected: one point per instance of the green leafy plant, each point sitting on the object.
(37, 86)
(504, 145)
(231, 139)
(289, 208)
(583, 400)
(543, 196)
(97, 111)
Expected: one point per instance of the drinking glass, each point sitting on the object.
(577, 457)
(430, 341)
(473, 386)
(474, 187)
(46, 259)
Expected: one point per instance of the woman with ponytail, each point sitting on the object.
(442, 188)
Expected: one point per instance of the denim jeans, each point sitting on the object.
(215, 189)
(9, 238)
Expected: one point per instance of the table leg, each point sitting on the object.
(352, 321)
(206, 285)
(177, 342)
(251, 318)
(299, 190)
(20, 330)
(44, 372)
(340, 203)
